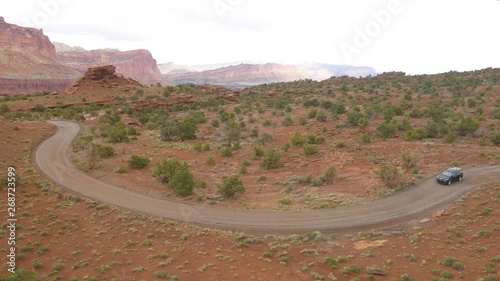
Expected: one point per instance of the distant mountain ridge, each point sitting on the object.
(245, 74)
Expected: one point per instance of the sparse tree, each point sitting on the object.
(182, 182)
(271, 159)
(230, 187)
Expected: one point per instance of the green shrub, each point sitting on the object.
(271, 159)
(298, 139)
(182, 182)
(104, 151)
(230, 186)
(132, 131)
(136, 162)
(330, 175)
(210, 161)
(357, 119)
(390, 175)
(387, 130)
(4, 109)
(467, 126)
(285, 201)
(366, 138)
(258, 149)
(416, 134)
(449, 138)
(118, 133)
(226, 152)
(310, 149)
(495, 138)
(321, 116)
(287, 121)
(166, 169)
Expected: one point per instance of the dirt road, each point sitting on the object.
(52, 159)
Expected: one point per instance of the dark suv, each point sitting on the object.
(450, 175)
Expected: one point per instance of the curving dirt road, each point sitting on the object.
(52, 159)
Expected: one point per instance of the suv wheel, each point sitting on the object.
(449, 181)
(460, 178)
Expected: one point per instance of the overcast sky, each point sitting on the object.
(416, 36)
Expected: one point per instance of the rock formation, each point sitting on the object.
(28, 62)
(102, 78)
(137, 64)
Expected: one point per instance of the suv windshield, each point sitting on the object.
(446, 173)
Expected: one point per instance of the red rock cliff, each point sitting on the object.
(28, 61)
(136, 64)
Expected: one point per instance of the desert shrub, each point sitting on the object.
(366, 138)
(467, 126)
(268, 123)
(407, 161)
(271, 159)
(358, 119)
(230, 186)
(416, 134)
(312, 114)
(136, 162)
(166, 169)
(104, 151)
(183, 130)
(285, 201)
(23, 275)
(4, 109)
(298, 139)
(210, 161)
(182, 182)
(390, 175)
(132, 131)
(226, 152)
(387, 130)
(338, 108)
(287, 121)
(118, 133)
(265, 138)
(326, 104)
(215, 123)
(330, 175)
(340, 144)
(437, 130)
(496, 114)
(232, 132)
(258, 149)
(286, 146)
(495, 138)
(198, 147)
(39, 108)
(312, 139)
(321, 116)
(310, 149)
(449, 138)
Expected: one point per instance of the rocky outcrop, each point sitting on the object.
(136, 64)
(102, 78)
(28, 62)
(252, 74)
